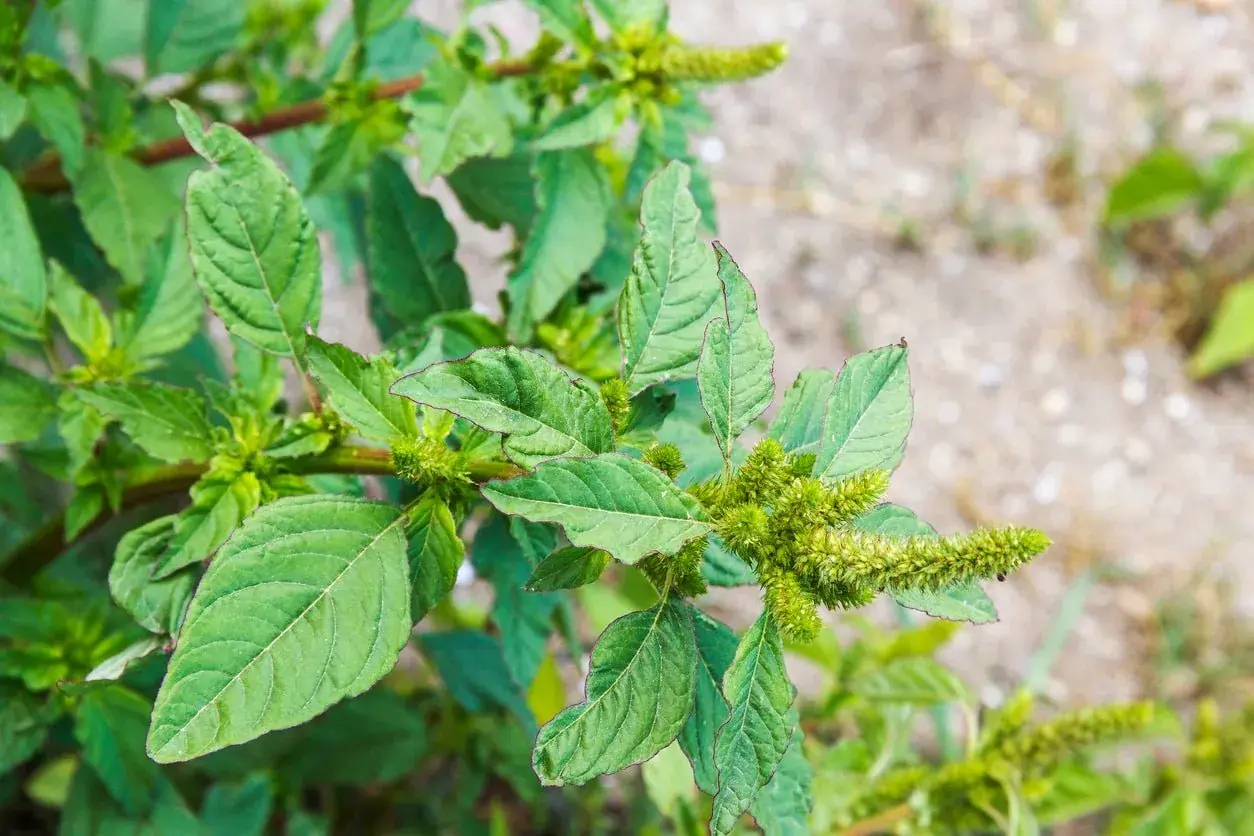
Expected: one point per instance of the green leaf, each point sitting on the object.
(542, 413)
(566, 19)
(80, 315)
(167, 422)
(964, 602)
(610, 502)
(24, 722)
(125, 207)
(29, 404)
(798, 426)
(782, 807)
(183, 35)
(220, 502)
(12, 110)
(115, 666)
(668, 782)
(723, 567)
(158, 605)
(413, 249)
(237, 809)
(1230, 337)
(640, 691)
(716, 648)
(673, 290)
(623, 15)
(369, 16)
(1162, 182)
(54, 112)
(586, 123)
(456, 117)
(868, 415)
(749, 746)
(496, 192)
(435, 554)
(568, 568)
(23, 282)
(348, 148)
(90, 811)
(253, 247)
(110, 722)
(472, 665)
(80, 425)
(735, 371)
(917, 681)
(170, 309)
(358, 389)
(573, 196)
(330, 576)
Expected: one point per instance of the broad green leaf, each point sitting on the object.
(348, 148)
(640, 691)
(587, 123)
(723, 567)
(547, 694)
(170, 309)
(868, 415)
(782, 807)
(610, 502)
(716, 648)
(80, 314)
(107, 29)
(24, 722)
(220, 502)
(1230, 337)
(456, 117)
(918, 681)
(376, 737)
(413, 249)
(23, 280)
(623, 15)
(90, 811)
(573, 196)
(1077, 790)
(358, 389)
(668, 781)
(658, 146)
(1162, 182)
(80, 426)
(158, 605)
(964, 602)
(566, 19)
(330, 575)
(53, 110)
(568, 568)
(167, 422)
(125, 207)
(473, 667)
(542, 413)
(12, 110)
(183, 35)
(110, 722)
(115, 666)
(403, 48)
(749, 746)
(497, 191)
(673, 290)
(240, 809)
(736, 370)
(369, 16)
(253, 247)
(798, 426)
(435, 554)
(29, 404)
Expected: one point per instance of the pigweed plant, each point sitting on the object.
(240, 562)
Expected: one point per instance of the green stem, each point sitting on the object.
(21, 564)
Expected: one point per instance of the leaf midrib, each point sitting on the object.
(298, 619)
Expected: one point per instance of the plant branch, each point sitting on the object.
(879, 823)
(20, 565)
(46, 175)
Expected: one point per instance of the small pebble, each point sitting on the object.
(1056, 402)
(991, 376)
(1047, 486)
(1177, 406)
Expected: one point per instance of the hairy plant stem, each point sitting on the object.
(21, 565)
(47, 177)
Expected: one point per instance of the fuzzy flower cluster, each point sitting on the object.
(799, 535)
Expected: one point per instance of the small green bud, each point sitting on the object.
(618, 401)
(427, 463)
(763, 475)
(666, 458)
(801, 464)
(713, 64)
(858, 493)
(792, 606)
(1007, 721)
(1043, 746)
(744, 528)
(681, 571)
